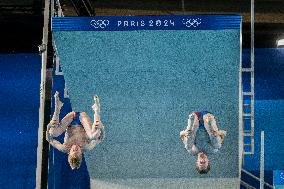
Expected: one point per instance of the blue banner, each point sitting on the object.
(129, 23)
(278, 177)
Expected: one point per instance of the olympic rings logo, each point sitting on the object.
(99, 23)
(191, 22)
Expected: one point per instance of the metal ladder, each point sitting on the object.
(248, 99)
(248, 113)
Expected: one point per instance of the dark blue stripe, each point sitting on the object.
(130, 23)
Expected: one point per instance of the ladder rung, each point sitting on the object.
(247, 131)
(247, 69)
(247, 134)
(247, 144)
(249, 153)
(247, 105)
(247, 114)
(247, 93)
(251, 118)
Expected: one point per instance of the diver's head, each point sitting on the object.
(75, 157)
(202, 163)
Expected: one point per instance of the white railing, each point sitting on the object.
(43, 50)
(246, 185)
(256, 178)
(261, 175)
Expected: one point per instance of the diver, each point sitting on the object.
(200, 136)
(80, 134)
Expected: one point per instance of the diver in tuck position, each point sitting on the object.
(200, 136)
(80, 133)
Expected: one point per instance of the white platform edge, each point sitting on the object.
(162, 183)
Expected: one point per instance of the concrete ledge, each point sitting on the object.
(178, 183)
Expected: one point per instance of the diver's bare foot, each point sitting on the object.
(58, 103)
(97, 100)
(96, 97)
(96, 105)
(184, 133)
(56, 94)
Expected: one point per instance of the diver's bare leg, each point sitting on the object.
(192, 123)
(192, 127)
(94, 130)
(211, 125)
(188, 135)
(217, 136)
(56, 128)
(57, 107)
(97, 109)
(67, 120)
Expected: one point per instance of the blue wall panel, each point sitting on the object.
(19, 105)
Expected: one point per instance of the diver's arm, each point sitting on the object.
(56, 144)
(190, 146)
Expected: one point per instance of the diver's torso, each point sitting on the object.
(75, 135)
